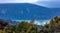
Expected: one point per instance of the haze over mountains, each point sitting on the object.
(26, 11)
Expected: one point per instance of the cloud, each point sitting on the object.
(41, 22)
(17, 1)
(50, 0)
(38, 22)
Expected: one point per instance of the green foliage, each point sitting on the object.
(53, 25)
(25, 27)
(21, 27)
(9, 28)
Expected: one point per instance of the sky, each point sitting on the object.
(50, 3)
(46, 3)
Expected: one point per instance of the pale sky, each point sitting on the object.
(18, 1)
(49, 3)
(46, 3)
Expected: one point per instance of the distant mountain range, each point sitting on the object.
(9, 21)
(27, 11)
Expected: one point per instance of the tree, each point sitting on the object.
(23, 26)
(56, 19)
(52, 23)
(9, 28)
(3, 24)
(32, 21)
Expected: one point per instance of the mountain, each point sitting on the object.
(26, 11)
(8, 22)
(55, 11)
(12, 22)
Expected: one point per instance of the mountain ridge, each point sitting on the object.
(26, 11)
